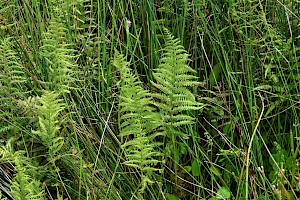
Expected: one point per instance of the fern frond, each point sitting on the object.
(48, 113)
(24, 186)
(12, 86)
(138, 120)
(12, 75)
(174, 79)
(59, 57)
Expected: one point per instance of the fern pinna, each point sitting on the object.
(173, 79)
(138, 122)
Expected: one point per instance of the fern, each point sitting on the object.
(24, 186)
(48, 114)
(48, 111)
(28, 107)
(58, 55)
(12, 76)
(12, 86)
(2, 198)
(174, 99)
(138, 120)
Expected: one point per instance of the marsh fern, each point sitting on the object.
(24, 185)
(174, 80)
(48, 113)
(59, 58)
(138, 121)
(12, 86)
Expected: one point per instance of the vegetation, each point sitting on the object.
(170, 99)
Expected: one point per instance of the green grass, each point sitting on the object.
(244, 143)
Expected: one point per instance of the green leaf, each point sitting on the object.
(186, 169)
(173, 197)
(274, 78)
(263, 87)
(271, 108)
(223, 193)
(195, 168)
(215, 171)
(268, 69)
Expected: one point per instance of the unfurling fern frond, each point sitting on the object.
(58, 55)
(24, 185)
(138, 121)
(48, 113)
(174, 80)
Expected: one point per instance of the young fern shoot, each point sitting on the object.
(138, 121)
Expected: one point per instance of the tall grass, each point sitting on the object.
(244, 143)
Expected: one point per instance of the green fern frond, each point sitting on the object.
(2, 197)
(24, 186)
(138, 120)
(12, 83)
(28, 106)
(174, 79)
(48, 113)
(59, 57)
(12, 76)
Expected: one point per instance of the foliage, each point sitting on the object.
(12, 81)
(24, 185)
(48, 113)
(173, 80)
(202, 103)
(139, 121)
(58, 57)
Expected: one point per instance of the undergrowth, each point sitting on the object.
(170, 99)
